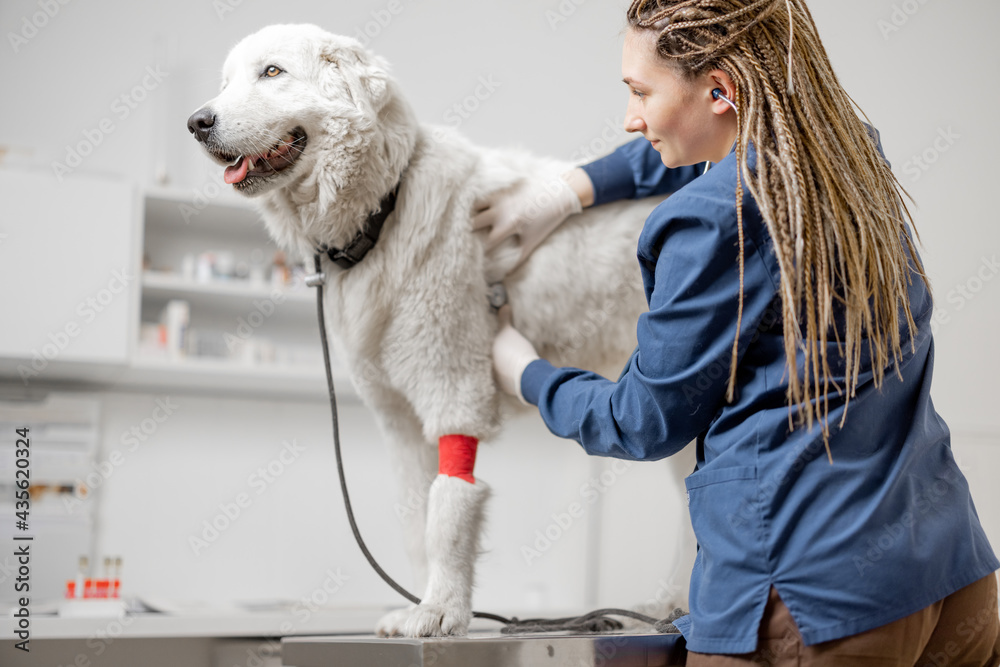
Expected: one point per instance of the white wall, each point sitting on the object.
(281, 543)
(559, 92)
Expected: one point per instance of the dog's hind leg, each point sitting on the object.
(414, 465)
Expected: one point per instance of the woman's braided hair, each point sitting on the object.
(831, 204)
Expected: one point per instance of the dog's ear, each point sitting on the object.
(349, 68)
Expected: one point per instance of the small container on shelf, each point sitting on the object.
(204, 270)
(256, 274)
(188, 265)
(91, 597)
(225, 265)
(280, 273)
(176, 317)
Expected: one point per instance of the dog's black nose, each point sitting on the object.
(200, 123)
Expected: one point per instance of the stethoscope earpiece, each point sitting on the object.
(717, 94)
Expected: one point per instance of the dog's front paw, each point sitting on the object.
(391, 625)
(425, 620)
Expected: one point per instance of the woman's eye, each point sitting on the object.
(638, 94)
(272, 71)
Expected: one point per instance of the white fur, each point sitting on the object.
(454, 520)
(411, 321)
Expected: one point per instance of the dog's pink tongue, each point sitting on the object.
(237, 172)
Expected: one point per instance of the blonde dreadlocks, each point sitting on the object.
(830, 203)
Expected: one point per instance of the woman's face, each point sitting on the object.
(676, 114)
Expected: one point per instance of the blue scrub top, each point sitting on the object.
(886, 530)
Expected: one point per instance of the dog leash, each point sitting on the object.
(596, 621)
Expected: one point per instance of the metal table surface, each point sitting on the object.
(486, 650)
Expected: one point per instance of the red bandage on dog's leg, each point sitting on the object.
(457, 456)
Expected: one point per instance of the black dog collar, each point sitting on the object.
(365, 239)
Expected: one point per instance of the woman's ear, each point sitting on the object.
(719, 79)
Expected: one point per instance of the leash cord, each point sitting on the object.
(595, 621)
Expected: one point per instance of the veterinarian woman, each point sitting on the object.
(834, 526)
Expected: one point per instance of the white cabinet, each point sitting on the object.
(69, 272)
(90, 265)
(243, 330)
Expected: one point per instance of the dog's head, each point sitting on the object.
(292, 96)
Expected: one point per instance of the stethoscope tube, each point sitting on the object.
(718, 95)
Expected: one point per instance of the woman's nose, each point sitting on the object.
(633, 122)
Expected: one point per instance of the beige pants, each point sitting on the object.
(962, 630)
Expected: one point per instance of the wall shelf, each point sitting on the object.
(217, 375)
(276, 351)
(171, 286)
(176, 224)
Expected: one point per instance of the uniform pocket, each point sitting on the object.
(730, 566)
(701, 478)
(724, 509)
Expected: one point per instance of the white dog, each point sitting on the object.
(313, 127)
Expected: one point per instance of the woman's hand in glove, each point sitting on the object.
(531, 210)
(512, 353)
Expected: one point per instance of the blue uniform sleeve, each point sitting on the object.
(676, 381)
(635, 170)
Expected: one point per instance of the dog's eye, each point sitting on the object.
(272, 71)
